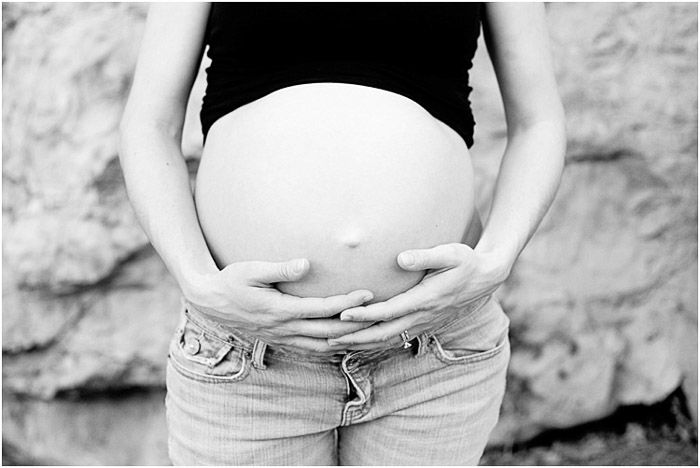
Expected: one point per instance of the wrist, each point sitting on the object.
(499, 261)
(197, 286)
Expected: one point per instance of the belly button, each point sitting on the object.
(350, 239)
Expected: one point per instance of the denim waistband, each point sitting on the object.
(258, 348)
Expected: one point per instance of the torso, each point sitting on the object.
(347, 176)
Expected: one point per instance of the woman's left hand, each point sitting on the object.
(457, 275)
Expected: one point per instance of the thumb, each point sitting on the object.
(436, 258)
(276, 272)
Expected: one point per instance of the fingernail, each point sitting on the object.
(408, 259)
(298, 266)
(346, 317)
(333, 342)
(367, 297)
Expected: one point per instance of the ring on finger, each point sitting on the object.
(406, 339)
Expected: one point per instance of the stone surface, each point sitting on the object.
(114, 429)
(111, 338)
(603, 302)
(70, 224)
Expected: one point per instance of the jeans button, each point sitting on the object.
(192, 346)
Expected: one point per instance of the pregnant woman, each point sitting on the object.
(336, 280)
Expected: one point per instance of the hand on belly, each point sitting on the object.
(343, 256)
(347, 262)
(345, 188)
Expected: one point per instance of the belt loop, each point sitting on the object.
(258, 354)
(423, 340)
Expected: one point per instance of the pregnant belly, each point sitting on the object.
(347, 176)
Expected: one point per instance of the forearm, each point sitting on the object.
(157, 184)
(527, 182)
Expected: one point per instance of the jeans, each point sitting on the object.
(234, 400)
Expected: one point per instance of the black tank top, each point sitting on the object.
(420, 50)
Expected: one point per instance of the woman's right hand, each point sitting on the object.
(243, 295)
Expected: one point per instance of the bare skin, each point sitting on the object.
(516, 37)
(344, 175)
(243, 293)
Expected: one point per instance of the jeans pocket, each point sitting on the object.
(475, 337)
(199, 354)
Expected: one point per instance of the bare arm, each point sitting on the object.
(516, 37)
(530, 172)
(155, 172)
(158, 187)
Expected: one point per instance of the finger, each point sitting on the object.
(323, 328)
(366, 347)
(383, 332)
(415, 299)
(436, 258)
(373, 346)
(320, 307)
(275, 272)
(317, 345)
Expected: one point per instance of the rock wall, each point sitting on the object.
(603, 301)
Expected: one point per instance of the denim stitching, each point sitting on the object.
(230, 340)
(209, 378)
(259, 349)
(351, 404)
(443, 355)
(207, 361)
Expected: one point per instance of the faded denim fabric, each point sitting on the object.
(233, 400)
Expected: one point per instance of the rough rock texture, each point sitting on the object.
(603, 301)
(119, 430)
(65, 218)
